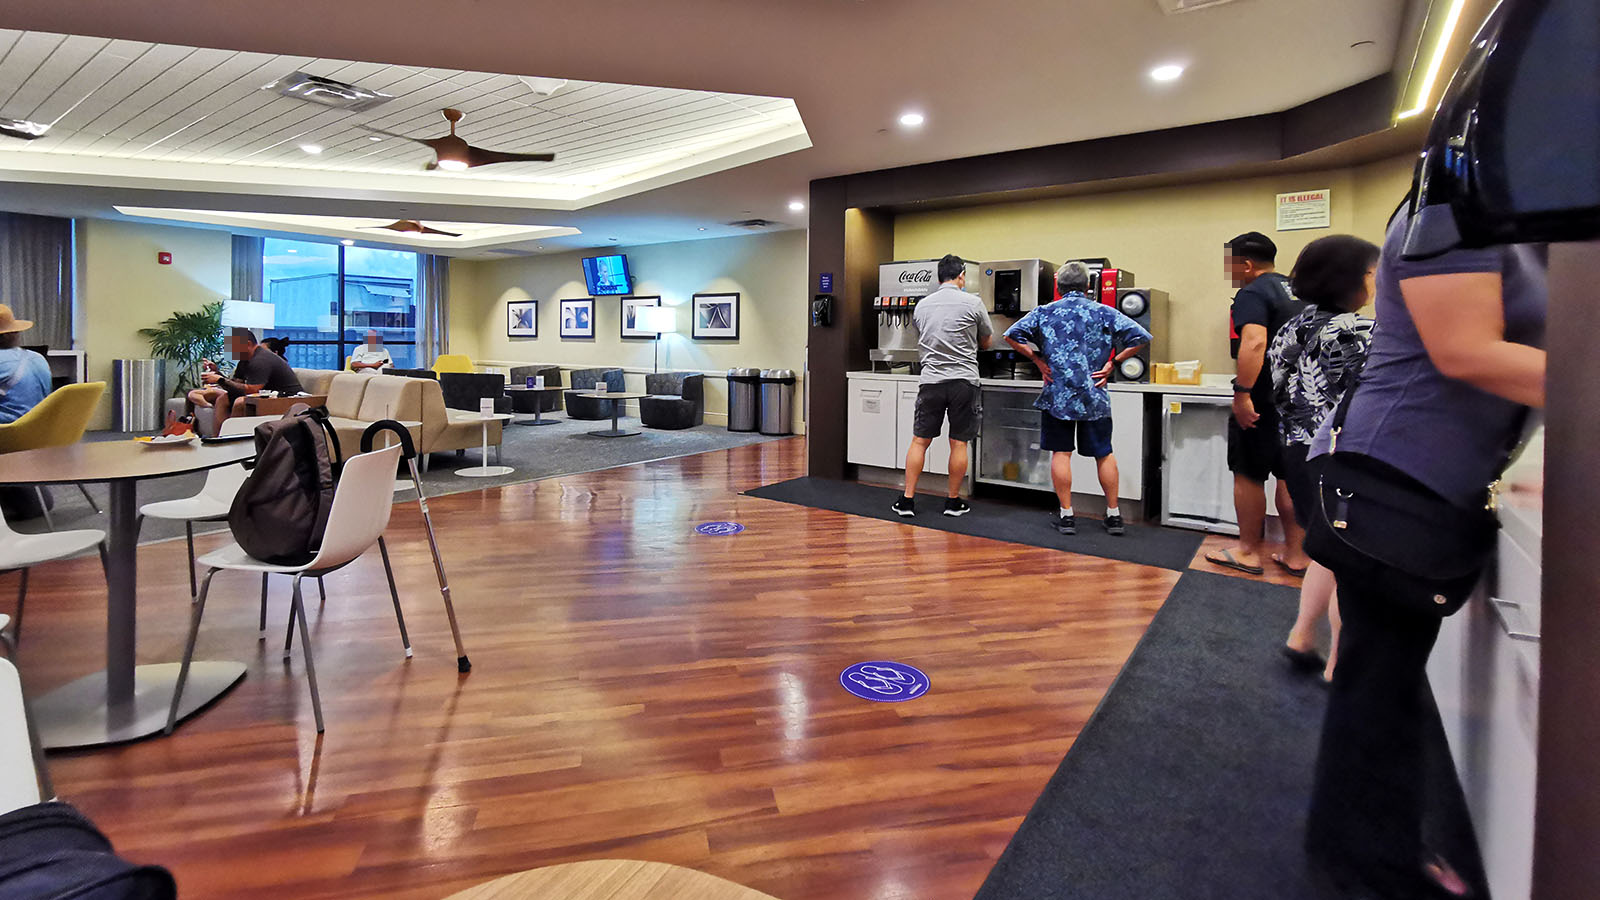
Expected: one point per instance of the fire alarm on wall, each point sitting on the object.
(164, 258)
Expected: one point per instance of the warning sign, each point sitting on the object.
(1305, 209)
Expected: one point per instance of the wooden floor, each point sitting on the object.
(638, 691)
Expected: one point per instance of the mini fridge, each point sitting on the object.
(1196, 486)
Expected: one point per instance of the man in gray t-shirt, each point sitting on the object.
(952, 326)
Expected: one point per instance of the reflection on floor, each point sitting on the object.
(638, 691)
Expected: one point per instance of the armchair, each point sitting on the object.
(463, 390)
(676, 401)
(584, 380)
(548, 402)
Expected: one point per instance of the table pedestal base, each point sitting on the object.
(76, 714)
(484, 471)
(615, 432)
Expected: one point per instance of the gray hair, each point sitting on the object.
(1072, 276)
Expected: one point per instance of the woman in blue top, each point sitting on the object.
(1456, 362)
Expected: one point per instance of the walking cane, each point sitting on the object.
(409, 454)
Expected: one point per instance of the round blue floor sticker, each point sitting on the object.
(720, 529)
(884, 681)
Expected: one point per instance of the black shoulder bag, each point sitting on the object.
(1426, 553)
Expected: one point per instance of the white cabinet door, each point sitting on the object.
(871, 423)
(938, 458)
(1127, 443)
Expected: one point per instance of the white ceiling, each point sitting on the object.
(999, 75)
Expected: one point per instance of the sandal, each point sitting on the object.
(1225, 559)
(1306, 661)
(1298, 573)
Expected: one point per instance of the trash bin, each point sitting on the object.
(744, 397)
(139, 388)
(777, 401)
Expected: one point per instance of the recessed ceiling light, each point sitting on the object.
(796, 206)
(452, 165)
(702, 228)
(312, 149)
(348, 243)
(912, 119)
(374, 139)
(293, 250)
(1169, 72)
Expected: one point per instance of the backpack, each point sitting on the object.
(281, 510)
(50, 850)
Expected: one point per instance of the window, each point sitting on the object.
(327, 296)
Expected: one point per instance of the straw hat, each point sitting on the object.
(9, 322)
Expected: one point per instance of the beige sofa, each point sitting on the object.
(356, 401)
(314, 381)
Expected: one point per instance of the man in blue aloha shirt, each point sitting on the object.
(1072, 341)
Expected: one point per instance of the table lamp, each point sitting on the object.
(657, 320)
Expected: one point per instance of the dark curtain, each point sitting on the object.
(36, 275)
(247, 283)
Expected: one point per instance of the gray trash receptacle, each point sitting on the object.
(139, 390)
(777, 401)
(744, 398)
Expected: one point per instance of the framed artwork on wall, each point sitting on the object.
(577, 319)
(522, 318)
(630, 306)
(715, 317)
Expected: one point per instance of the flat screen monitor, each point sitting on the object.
(607, 275)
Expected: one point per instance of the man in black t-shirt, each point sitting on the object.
(258, 369)
(1261, 307)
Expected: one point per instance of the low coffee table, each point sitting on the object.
(485, 470)
(616, 398)
(257, 405)
(535, 395)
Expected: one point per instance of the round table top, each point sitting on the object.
(94, 461)
(614, 395)
(523, 387)
(610, 879)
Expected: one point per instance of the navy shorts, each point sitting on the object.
(1093, 438)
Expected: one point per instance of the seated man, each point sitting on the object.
(24, 374)
(258, 369)
(370, 357)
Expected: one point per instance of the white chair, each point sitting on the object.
(362, 502)
(19, 552)
(211, 505)
(24, 780)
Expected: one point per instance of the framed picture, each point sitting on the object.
(715, 318)
(522, 318)
(630, 305)
(577, 319)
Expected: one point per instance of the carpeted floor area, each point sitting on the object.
(1169, 548)
(565, 448)
(1191, 779)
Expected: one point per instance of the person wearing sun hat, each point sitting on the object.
(24, 374)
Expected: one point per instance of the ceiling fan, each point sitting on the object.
(410, 226)
(454, 154)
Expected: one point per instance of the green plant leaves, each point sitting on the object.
(185, 338)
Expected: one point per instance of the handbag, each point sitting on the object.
(1424, 552)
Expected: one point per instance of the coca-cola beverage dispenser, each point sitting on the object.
(900, 285)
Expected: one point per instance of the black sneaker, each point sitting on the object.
(955, 506)
(905, 506)
(1114, 526)
(1067, 525)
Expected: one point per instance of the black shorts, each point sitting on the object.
(1093, 437)
(956, 399)
(1300, 478)
(1256, 453)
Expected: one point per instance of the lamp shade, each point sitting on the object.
(656, 319)
(247, 314)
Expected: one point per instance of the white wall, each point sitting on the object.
(767, 270)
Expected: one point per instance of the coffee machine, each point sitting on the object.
(1011, 287)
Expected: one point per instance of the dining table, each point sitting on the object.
(125, 701)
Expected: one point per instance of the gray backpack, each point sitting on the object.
(281, 511)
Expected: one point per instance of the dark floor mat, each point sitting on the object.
(1148, 545)
(1191, 780)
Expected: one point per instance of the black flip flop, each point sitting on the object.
(1228, 562)
(1305, 660)
(1298, 573)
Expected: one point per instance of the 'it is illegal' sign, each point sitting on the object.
(1305, 209)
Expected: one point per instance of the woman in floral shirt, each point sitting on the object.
(1315, 358)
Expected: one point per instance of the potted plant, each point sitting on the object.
(184, 339)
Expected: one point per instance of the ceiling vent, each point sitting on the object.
(506, 251)
(22, 128)
(753, 223)
(327, 92)
(1173, 7)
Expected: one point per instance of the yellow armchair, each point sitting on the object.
(452, 362)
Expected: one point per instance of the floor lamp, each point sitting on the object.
(658, 320)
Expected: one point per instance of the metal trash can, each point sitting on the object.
(777, 401)
(744, 398)
(139, 389)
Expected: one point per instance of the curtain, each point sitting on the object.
(36, 276)
(433, 307)
(247, 283)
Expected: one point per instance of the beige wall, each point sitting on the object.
(1170, 238)
(124, 289)
(767, 270)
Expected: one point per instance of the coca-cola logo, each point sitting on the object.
(922, 276)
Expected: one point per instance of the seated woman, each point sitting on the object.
(24, 374)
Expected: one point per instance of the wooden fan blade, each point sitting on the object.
(427, 230)
(477, 156)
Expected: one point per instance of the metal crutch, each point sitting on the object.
(408, 452)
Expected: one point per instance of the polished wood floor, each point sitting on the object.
(638, 691)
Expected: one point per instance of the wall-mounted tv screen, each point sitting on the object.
(607, 275)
